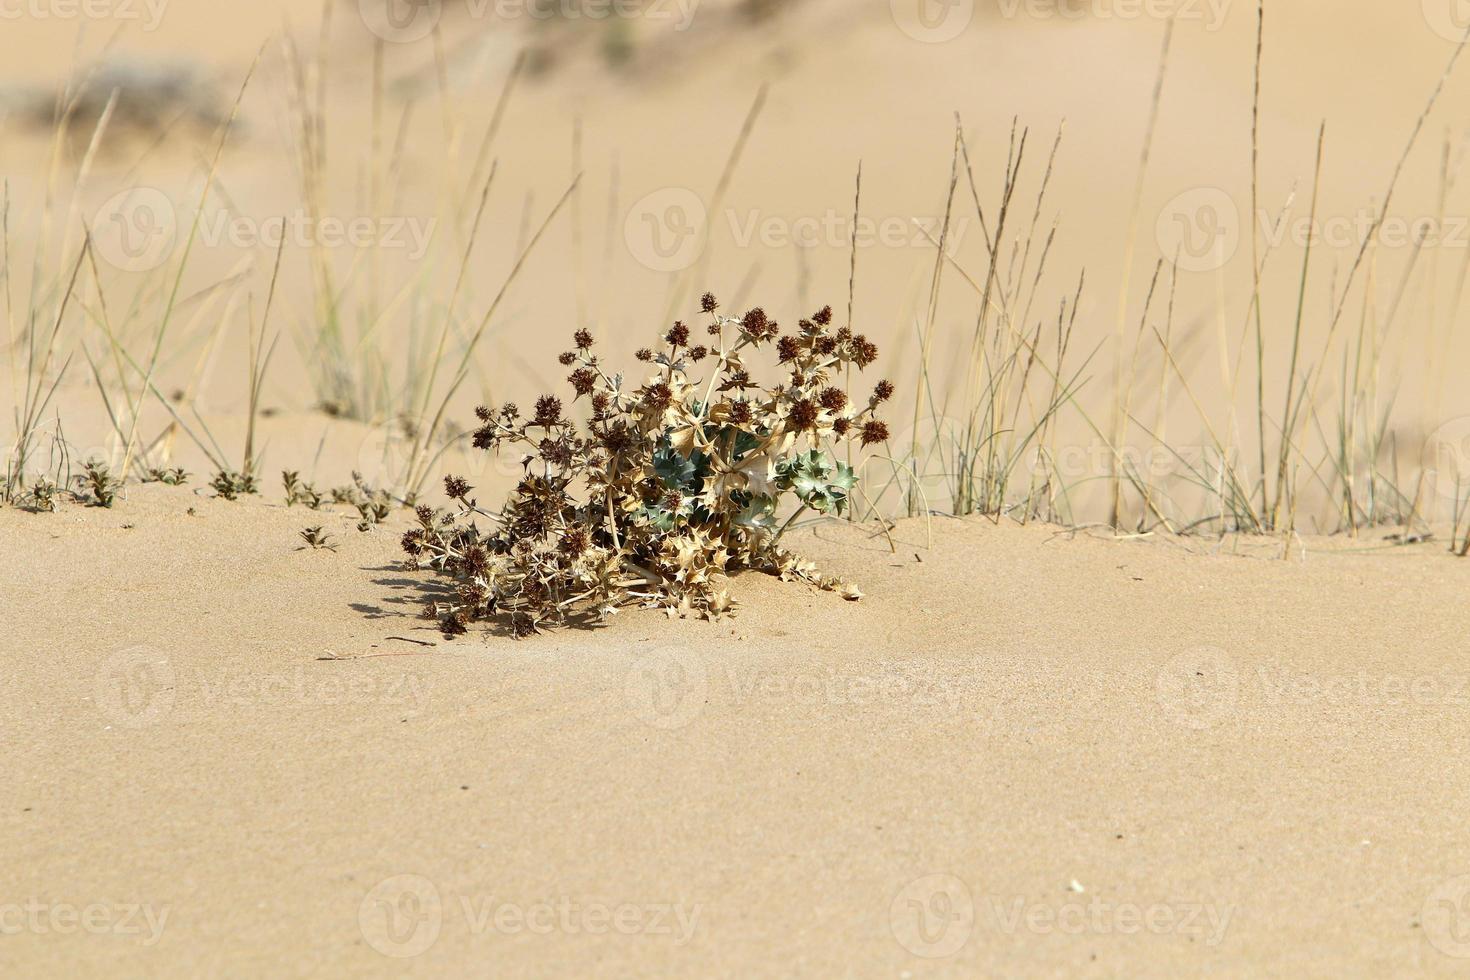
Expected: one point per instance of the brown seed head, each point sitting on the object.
(582, 380)
(874, 431)
(756, 324)
(803, 415)
(548, 411)
(456, 487)
(575, 541)
(658, 396)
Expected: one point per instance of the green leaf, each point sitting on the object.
(674, 470)
(759, 514)
(659, 518)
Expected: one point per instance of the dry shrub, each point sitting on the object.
(667, 488)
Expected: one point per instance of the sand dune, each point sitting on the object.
(1025, 752)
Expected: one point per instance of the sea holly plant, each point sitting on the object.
(670, 484)
(818, 481)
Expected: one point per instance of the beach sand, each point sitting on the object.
(1025, 752)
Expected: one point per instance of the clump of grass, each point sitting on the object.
(1016, 380)
(668, 486)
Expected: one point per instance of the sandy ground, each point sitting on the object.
(1025, 753)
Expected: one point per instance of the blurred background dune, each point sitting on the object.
(375, 113)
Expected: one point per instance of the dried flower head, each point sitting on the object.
(548, 411)
(583, 380)
(758, 326)
(658, 396)
(803, 415)
(874, 431)
(832, 399)
(456, 488)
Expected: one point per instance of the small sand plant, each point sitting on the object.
(98, 486)
(41, 497)
(300, 493)
(316, 539)
(668, 487)
(232, 485)
(172, 476)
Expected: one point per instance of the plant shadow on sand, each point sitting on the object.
(413, 595)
